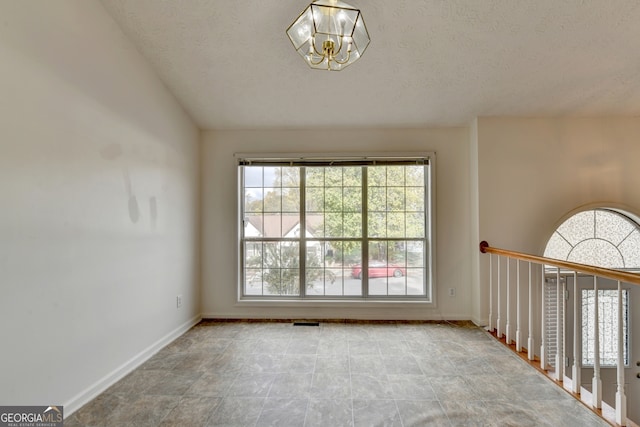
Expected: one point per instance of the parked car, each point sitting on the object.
(379, 269)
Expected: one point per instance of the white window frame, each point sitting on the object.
(429, 241)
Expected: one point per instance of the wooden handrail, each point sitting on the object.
(622, 276)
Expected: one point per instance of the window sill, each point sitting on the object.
(364, 303)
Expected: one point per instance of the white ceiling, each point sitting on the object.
(430, 62)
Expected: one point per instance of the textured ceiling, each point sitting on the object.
(430, 62)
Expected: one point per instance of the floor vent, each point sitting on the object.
(306, 323)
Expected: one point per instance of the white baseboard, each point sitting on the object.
(480, 321)
(107, 381)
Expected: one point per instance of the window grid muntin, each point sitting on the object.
(424, 197)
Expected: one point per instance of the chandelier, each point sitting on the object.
(329, 35)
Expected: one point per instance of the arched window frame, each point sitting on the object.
(605, 238)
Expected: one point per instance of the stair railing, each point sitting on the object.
(596, 272)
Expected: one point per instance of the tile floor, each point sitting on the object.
(334, 374)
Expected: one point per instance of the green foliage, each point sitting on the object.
(279, 263)
(281, 268)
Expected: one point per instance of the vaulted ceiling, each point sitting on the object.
(430, 62)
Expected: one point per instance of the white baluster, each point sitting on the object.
(563, 353)
(596, 383)
(543, 317)
(559, 372)
(490, 293)
(531, 352)
(507, 328)
(499, 304)
(577, 337)
(621, 398)
(518, 338)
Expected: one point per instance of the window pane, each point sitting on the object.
(557, 247)
(395, 199)
(397, 252)
(352, 176)
(253, 198)
(415, 254)
(612, 227)
(415, 199)
(271, 225)
(291, 199)
(395, 268)
(280, 272)
(415, 225)
(377, 224)
(328, 274)
(596, 252)
(385, 277)
(315, 225)
(333, 176)
(396, 225)
(377, 199)
(290, 177)
(579, 227)
(252, 176)
(315, 177)
(333, 199)
(395, 176)
(352, 201)
(272, 176)
(377, 176)
(253, 268)
(253, 282)
(630, 248)
(333, 225)
(315, 199)
(272, 200)
(415, 281)
(415, 176)
(352, 225)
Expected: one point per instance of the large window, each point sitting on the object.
(345, 228)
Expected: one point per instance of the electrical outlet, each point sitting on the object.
(179, 301)
(452, 292)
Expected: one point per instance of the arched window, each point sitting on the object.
(603, 238)
(599, 237)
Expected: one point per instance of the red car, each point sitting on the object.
(379, 269)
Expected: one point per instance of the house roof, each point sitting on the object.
(278, 225)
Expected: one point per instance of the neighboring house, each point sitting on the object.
(275, 225)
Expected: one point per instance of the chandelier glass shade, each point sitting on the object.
(329, 35)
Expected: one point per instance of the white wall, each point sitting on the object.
(219, 289)
(533, 172)
(99, 205)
